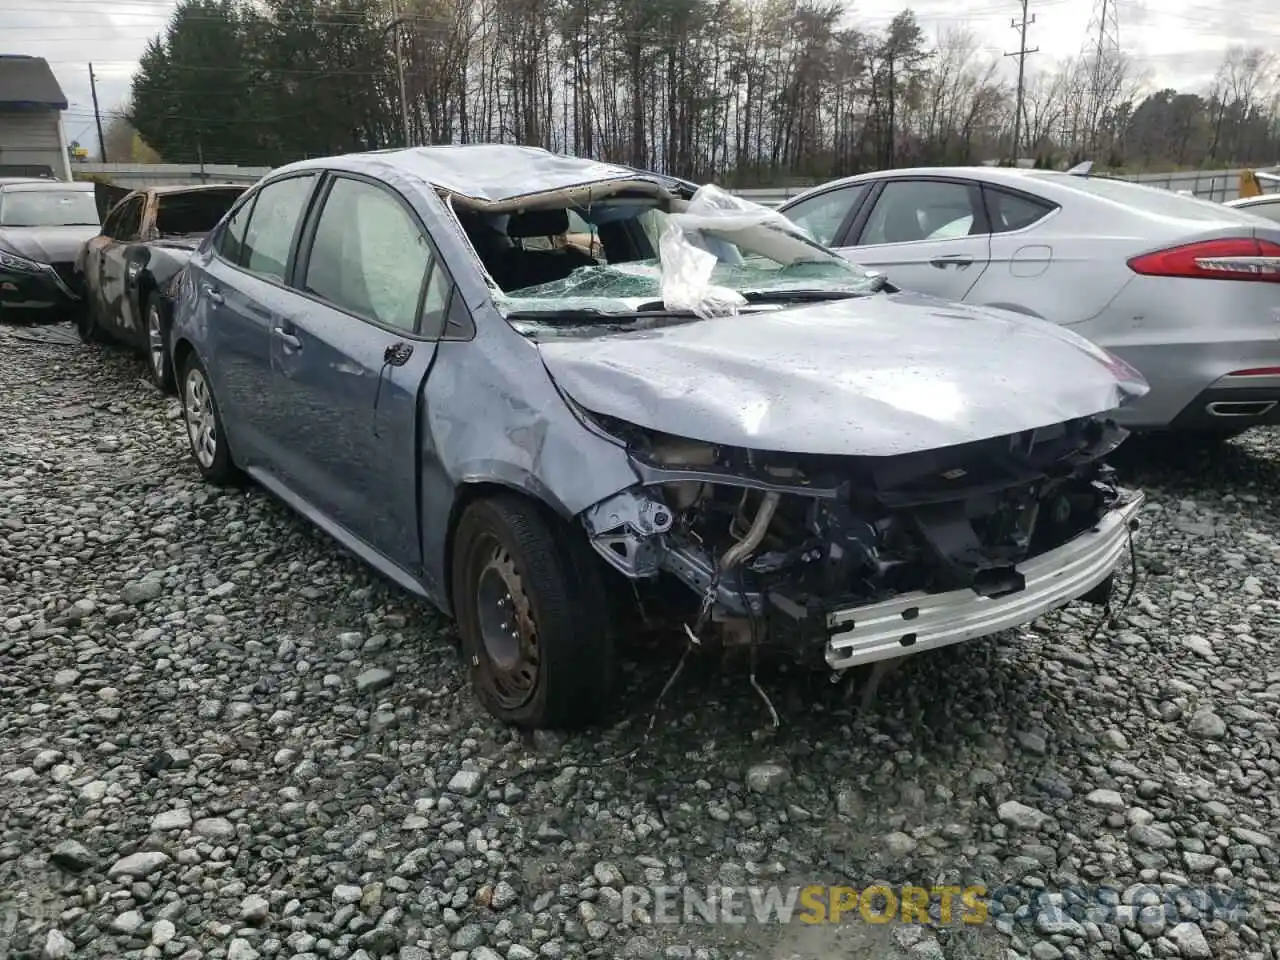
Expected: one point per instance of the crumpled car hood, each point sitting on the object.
(874, 376)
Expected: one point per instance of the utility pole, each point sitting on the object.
(1021, 53)
(404, 100)
(97, 117)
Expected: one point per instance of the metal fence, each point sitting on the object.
(1218, 185)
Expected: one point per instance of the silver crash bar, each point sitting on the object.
(915, 622)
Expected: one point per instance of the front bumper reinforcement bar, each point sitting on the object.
(915, 622)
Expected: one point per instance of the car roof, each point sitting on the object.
(165, 190)
(1250, 201)
(35, 185)
(485, 172)
(1008, 176)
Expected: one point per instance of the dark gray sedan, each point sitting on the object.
(558, 397)
(43, 225)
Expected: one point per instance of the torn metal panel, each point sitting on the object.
(872, 376)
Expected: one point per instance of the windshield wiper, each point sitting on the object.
(811, 296)
(588, 316)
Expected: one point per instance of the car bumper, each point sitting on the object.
(1233, 403)
(916, 622)
(42, 290)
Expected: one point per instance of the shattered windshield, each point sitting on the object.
(709, 256)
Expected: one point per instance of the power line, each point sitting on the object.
(1021, 53)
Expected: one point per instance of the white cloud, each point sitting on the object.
(1177, 42)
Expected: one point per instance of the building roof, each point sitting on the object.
(27, 82)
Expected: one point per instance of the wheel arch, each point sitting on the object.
(181, 350)
(501, 484)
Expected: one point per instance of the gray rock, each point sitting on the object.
(1020, 816)
(142, 591)
(465, 782)
(241, 949)
(1144, 834)
(179, 819)
(373, 680)
(72, 855)
(127, 922)
(138, 865)
(346, 893)
(217, 829)
(254, 908)
(1207, 725)
(1106, 799)
(898, 845)
(57, 946)
(162, 931)
(467, 937)
(768, 777)
(1190, 941)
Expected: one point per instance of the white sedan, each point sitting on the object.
(1186, 290)
(1267, 205)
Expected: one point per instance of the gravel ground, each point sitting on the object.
(223, 738)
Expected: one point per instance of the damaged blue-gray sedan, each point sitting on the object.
(558, 397)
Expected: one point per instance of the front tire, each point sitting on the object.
(159, 362)
(536, 636)
(205, 432)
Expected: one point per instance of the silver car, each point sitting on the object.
(1266, 205)
(1185, 290)
(712, 423)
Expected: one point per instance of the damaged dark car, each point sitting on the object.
(545, 397)
(129, 269)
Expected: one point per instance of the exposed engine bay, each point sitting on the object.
(781, 548)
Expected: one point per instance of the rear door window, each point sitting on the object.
(910, 210)
(273, 224)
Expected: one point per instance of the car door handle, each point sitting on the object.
(213, 295)
(287, 338)
(957, 260)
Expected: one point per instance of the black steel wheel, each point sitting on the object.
(535, 630)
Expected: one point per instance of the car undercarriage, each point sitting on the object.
(867, 558)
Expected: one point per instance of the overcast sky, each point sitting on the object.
(1179, 43)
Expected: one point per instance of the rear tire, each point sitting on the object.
(536, 635)
(205, 432)
(159, 361)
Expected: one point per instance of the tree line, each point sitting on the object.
(744, 92)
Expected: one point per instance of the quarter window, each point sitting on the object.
(908, 210)
(823, 215)
(370, 257)
(1013, 212)
(274, 221)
